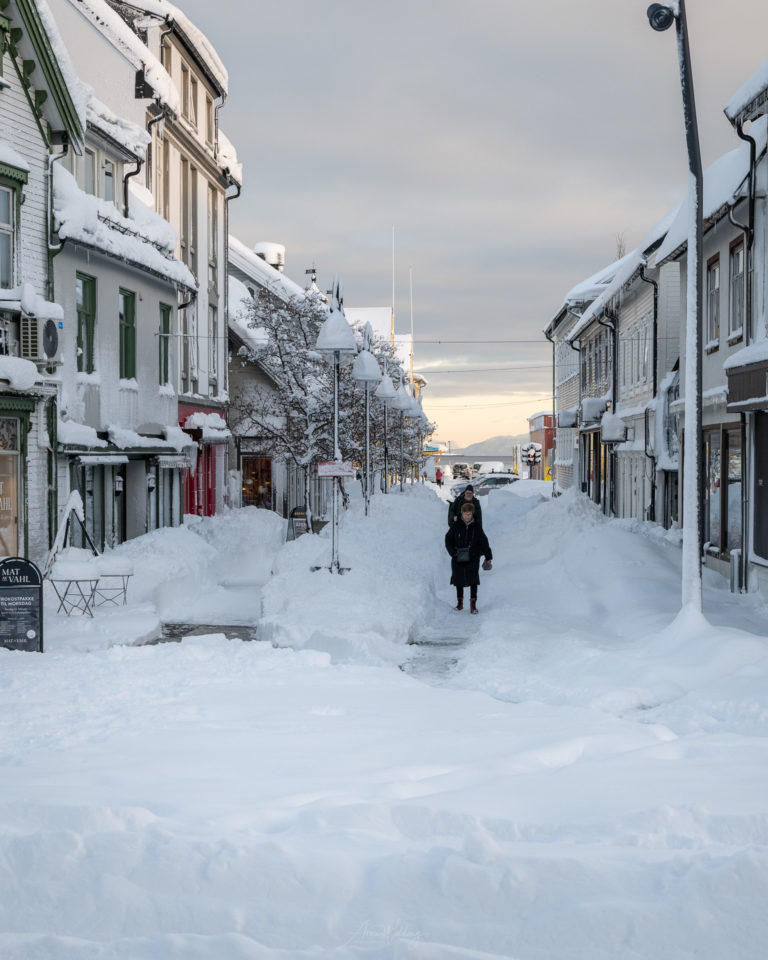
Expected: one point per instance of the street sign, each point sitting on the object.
(21, 605)
(336, 468)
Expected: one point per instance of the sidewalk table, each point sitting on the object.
(114, 575)
(75, 586)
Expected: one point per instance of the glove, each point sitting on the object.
(487, 565)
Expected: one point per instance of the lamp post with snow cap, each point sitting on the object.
(661, 16)
(402, 402)
(336, 342)
(386, 393)
(366, 371)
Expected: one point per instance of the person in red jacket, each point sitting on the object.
(439, 477)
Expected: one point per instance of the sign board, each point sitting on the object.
(336, 468)
(21, 605)
(297, 523)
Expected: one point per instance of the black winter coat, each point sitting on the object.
(454, 510)
(469, 535)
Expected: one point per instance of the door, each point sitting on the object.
(9, 486)
(761, 485)
(257, 482)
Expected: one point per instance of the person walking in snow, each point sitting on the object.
(468, 496)
(439, 477)
(466, 542)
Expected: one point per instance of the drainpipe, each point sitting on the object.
(749, 234)
(651, 457)
(161, 116)
(53, 248)
(218, 103)
(578, 350)
(554, 410)
(611, 324)
(126, 178)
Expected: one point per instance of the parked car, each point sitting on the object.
(483, 484)
(461, 470)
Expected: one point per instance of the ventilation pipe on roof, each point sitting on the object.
(272, 253)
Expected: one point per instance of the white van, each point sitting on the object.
(491, 466)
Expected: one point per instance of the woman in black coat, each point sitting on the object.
(466, 537)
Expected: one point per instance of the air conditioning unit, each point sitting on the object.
(41, 340)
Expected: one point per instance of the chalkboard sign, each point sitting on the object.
(297, 523)
(21, 605)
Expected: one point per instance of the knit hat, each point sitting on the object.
(469, 487)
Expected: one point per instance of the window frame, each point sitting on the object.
(127, 327)
(164, 343)
(9, 229)
(86, 323)
(736, 333)
(713, 305)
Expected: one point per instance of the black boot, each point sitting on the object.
(460, 603)
(473, 605)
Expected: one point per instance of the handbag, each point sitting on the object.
(462, 555)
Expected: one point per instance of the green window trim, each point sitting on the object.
(13, 173)
(85, 299)
(164, 343)
(127, 318)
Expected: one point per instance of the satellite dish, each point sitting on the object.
(50, 339)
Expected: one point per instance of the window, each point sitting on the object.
(185, 90)
(713, 302)
(209, 121)
(213, 341)
(85, 302)
(127, 312)
(89, 171)
(193, 99)
(10, 502)
(736, 289)
(164, 339)
(165, 193)
(109, 181)
(723, 488)
(733, 491)
(189, 215)
(213, 241)
(7, 211)
(165, 55)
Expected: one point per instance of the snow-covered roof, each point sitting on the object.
(262, 273)
(240, 317)
(722, 182)
(629, 266)
(593, 286)
(12, 157)
(75, 89)
(120, 35)
(227, 158)
(146, 240)
(130, 136)
(199, 43)
(750, 99)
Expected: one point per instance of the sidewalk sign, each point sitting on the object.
(297, 523)
(21, 605)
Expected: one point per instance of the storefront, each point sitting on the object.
(10, 484)
(204, 480)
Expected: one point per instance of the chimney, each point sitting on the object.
(273, 253)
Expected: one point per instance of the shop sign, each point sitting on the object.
(21, 605)
(336, 468)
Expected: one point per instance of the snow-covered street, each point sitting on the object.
(573, 773)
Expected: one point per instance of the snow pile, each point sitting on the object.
(25, 298)
(12, 157)
(227, 157)
(581, 775)
(240, 304)
(351, 616)
(19, 373)
(96, 222)
(72, 434)
(134, 138)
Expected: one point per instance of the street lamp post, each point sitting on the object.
(402, 402)
(661, 16)
(366, 371)
(386, 393)
(336, 342)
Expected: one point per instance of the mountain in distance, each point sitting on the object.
(500, 446)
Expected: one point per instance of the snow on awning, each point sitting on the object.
(102, 459)
(592, 408)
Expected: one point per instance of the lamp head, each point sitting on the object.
(660, 16)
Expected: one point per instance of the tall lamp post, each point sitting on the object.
(402, 402)
(336, 342)
(366, 371)
(661, 16)
(386, 393)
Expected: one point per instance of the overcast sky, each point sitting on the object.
(508, 144)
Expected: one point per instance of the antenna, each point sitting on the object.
(392, 330)
(413, 386)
